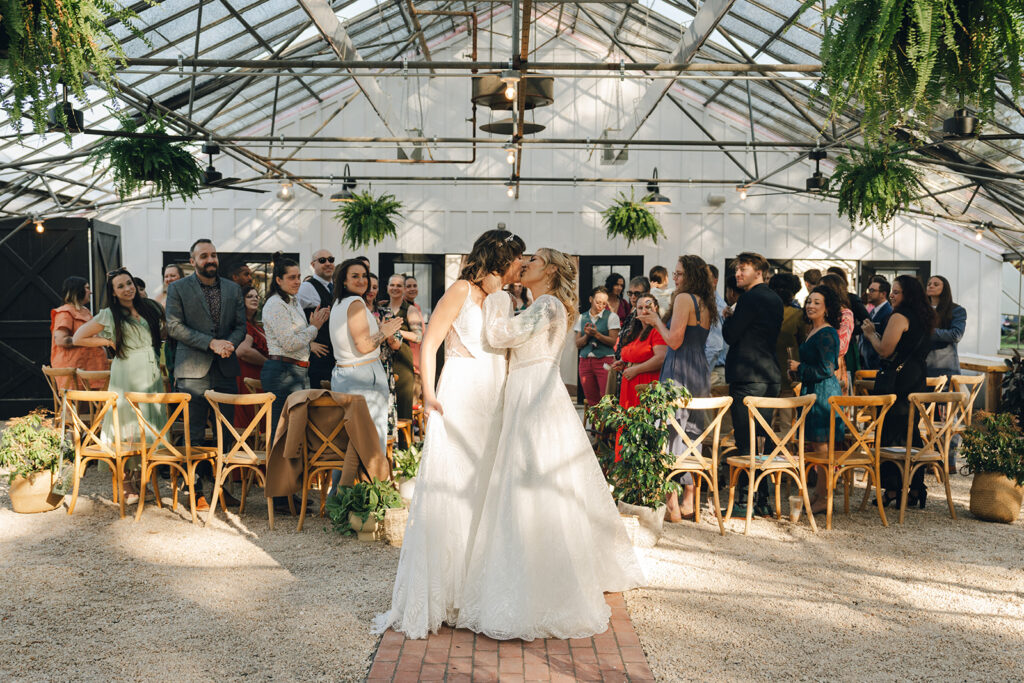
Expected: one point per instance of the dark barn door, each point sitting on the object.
(33, 267)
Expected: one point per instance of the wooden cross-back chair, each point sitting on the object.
(327, 457)
(692, 459)
(59, 380)
(92, 380)
(781, 460)
(862, 417)
(90, 444)
(234, 452)
(934, 452)
(972, 384)
(158, 449)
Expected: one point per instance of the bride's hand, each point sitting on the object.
(430, 404)
(491, 283)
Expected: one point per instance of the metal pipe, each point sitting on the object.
(336, 64)
(395, 74)
(12, 233)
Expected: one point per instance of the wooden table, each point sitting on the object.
(993, 368)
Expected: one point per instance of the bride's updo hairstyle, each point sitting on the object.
(493, 252)
(563, 283)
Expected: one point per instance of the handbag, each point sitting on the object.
(889, 370)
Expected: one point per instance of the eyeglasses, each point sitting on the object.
(632, 293)
(117, 271)
(325, 259)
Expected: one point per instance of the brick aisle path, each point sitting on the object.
(461, 655)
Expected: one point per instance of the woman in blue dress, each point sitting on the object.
(816, 371)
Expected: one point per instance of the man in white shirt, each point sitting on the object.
(660, 288)
(318, 292)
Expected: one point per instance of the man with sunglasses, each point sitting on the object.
(318, 292)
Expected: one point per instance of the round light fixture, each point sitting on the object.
(39, 225)
(510, 189)
(978, 234)
(743, 192)
(285, 194)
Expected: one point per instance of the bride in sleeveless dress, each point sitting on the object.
(549, 541)
(458, 451)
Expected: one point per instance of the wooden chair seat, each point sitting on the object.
(763, 462)
(920, 455)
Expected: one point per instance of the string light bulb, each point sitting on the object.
(510, 153)
(743, 192)
(978, 234)
(285, 194)
(510, 92)
(510, 192)
(39, 225)
(510, 78)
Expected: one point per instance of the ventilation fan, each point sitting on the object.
(214, 178)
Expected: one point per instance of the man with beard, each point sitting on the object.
(206, 316)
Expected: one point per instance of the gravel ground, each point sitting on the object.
(933, 599)
(93, 597)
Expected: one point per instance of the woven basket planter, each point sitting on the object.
(995, 497)
(394, 525)
(32, 494)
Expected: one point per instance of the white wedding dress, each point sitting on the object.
(458, 453)
(550, 541)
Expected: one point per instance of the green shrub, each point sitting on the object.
(995, 443)
(363, 499)
(32, 444)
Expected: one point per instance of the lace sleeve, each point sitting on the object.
(505, 331)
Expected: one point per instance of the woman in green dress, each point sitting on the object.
(130, 326)
(816, 372)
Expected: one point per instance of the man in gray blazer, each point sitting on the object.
(206, 317)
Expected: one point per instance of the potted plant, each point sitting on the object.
(1013, 386)
(407, 465)
(32, 449)
(629, 218)
(872, 184)
(639, 479)
(151, 158)
(898, 60)
(367, 220)
(360, 508)
(47, 44)
(994, 450)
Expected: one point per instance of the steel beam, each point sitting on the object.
(704, 22)
(327, 22)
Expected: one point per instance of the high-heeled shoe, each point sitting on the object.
(917, 497)
(888, 498)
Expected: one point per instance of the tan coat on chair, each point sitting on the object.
(359, 440)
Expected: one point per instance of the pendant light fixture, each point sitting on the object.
(817, 182)
(285, 194)
(348, 183)
(655, 197)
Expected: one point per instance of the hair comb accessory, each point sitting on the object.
(511, 236)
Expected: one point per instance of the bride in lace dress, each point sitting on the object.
(550, 541)
(458, 452)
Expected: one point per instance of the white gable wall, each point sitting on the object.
(445, 217)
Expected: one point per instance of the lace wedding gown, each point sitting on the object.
(550, 540)
(458, 453)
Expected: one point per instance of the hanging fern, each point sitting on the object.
(137, 161)
(631, 219)
(873, 184)
(49, 43)
(902, 57)
(368, 220)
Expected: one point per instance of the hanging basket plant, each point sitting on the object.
(899, 59)
(872, 184)
(136, 162)
(367, 220)
(629, 218)
(45, 44)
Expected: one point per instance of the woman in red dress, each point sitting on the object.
(642, 357)
(252, 353)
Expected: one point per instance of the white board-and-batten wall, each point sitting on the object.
(444, 216)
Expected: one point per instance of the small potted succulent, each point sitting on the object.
(360, 508)
(32, 449)
(994, 450)
(639, 479)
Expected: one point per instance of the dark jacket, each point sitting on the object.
(189, 323)
(879, 316)
(751, 333)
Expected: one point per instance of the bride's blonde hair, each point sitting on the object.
(563, 283)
